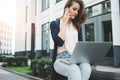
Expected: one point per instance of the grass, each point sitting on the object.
(23, 69)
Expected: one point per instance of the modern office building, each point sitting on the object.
(6, 39)
(33, 37)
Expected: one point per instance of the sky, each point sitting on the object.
(8, 11)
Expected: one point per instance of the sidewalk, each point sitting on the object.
(6, 74)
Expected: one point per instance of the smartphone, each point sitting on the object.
(67, 10)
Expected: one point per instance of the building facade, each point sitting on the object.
(6, 39)
(33, 36)
(25, 27)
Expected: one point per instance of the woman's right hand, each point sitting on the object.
(66, 16)
(64, 23)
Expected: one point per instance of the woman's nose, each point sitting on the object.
(76, 12)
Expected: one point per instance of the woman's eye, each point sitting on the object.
(74, 8)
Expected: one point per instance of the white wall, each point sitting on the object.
(20, 31)
(115, 21)
(22, 26)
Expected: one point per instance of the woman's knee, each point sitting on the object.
(61, 67)
(86, 67)
(74, 72)
(74, 68)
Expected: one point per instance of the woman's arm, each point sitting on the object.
(56, 33)
(61, 33)
(80, 37)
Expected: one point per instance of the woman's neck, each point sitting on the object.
(68, 23)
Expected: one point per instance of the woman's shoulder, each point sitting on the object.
(55, 21)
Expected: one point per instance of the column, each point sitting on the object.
(52, 17)
(52, 10)
(115, 14)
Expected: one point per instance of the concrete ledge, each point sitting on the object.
(98, 75)
(105, 73)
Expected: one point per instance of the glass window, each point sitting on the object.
(98, 9)
(106, 7)
(89, 32)
(89, 11)
(58, 1)
(45, 37)
(45, 4)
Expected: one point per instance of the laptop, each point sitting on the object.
(90, 52)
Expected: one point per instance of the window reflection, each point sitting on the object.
(45, 37)
(89, 32)
(106, 7)
(89, 11)
(98, 9)
(45, 4)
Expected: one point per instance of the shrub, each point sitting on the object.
(2, 58)
(20, 61)
(15, 61)
(8, 61)
(41, 67)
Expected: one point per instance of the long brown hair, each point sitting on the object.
(81, 17)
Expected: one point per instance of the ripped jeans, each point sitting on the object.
(72, 71)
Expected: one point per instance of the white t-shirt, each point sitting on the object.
(71, 38)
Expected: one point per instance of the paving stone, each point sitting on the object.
(5, 75)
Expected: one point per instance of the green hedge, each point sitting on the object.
(41, 67)
(15, 61)
(2, 58)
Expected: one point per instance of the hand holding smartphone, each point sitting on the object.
(67, 13)
(64, 22)
(66, 16)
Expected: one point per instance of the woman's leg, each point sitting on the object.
(85, 70)
(71, 71)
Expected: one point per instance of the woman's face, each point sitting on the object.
(73, 10)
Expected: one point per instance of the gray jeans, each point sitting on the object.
(72, 71)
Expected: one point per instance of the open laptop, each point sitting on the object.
(91, 52)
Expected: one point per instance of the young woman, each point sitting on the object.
(65, 33)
